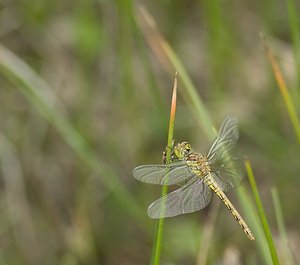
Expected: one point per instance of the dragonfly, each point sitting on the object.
(197, 176)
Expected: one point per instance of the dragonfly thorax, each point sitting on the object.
(198, 164)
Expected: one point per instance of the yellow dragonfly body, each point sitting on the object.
(198, 175)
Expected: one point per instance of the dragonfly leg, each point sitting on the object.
(164, 156)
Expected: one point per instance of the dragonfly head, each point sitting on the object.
(182, 150)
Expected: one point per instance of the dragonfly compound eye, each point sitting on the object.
(188, 147)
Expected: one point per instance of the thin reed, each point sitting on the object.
(158, 240)
(262, 214)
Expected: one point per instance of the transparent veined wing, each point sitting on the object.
(191, 197)
(225, 140)
(227, 172)
(174, 173)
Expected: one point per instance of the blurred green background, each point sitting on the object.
(98, 105)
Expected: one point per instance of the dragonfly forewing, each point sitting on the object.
(175, 173)
(226, 139)
(191, 197)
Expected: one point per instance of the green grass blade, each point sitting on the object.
(251, 214)
(281, 227)
(41, 96)
(160, 225)
(261, 213)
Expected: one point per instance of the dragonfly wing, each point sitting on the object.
(225, 140)
(175, 173)
(191, 197)
(228, 172)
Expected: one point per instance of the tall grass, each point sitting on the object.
(105, 77)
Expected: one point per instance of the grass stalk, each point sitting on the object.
(261, 213)
(283, 88)
(155, 260)
(288, 257)
(251, 214)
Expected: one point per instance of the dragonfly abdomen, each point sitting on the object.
(216, 189)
